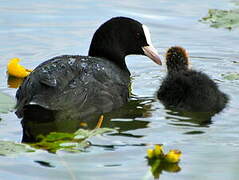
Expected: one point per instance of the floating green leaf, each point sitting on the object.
(12, 148)
(222, 18)
(231, 76)
(73, 142)
(236, 2)
(7, 103)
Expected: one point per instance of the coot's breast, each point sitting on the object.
(85, 83)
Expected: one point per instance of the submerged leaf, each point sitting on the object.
(222, 18)
(231, 76)
(7, 103)
(89, 133)
(12, 148)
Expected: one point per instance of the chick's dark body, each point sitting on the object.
(186, 89)
(191, 91)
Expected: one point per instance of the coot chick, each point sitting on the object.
(186, 89)
(98, 82)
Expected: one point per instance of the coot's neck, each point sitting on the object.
(106, 44)
(112, 55)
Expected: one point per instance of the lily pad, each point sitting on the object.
(222, 18)
(7, 103)
(73, 142)
(231, 76)
(12, 148)
(236, 2)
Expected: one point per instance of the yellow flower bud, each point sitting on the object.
(16, 70)
(158, 149)
(173, 156)
(150, 153)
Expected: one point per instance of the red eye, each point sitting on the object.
(137, 35)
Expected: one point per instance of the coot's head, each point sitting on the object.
(177, 59)
(121, 36)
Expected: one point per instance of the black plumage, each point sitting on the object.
(186, 89)
(81, 85)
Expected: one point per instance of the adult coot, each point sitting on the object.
(98, 82)
(186, 89)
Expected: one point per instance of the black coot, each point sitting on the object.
(186, 89)
(88, 84)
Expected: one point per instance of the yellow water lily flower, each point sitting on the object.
(150, 153)
(159, 162)
(173, 156)
(157, 152)
(16, 70)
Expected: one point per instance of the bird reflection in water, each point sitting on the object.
(14, 82)
(157, 167)
(202, 119)
(39, 121)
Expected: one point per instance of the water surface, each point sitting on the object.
(37, 30)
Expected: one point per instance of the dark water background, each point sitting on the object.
(37, 30)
